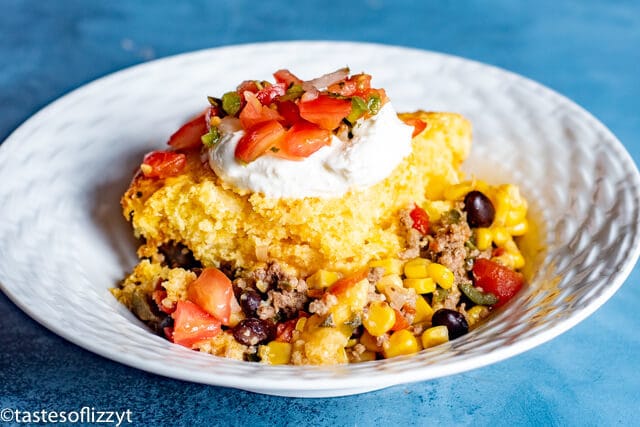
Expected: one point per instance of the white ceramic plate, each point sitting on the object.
(64, 243)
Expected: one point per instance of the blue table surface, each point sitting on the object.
(587, 50)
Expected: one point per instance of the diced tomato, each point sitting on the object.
(418, 125)
(192, 324)
(268, 94)
(420, 219)
(286, 77)
(325, 111)
(258, 139)
(356, 85)
(401, 321)
(303, 139)
(284, 330)
(212, 291)
(188, 136)
(163, 164)
(342, 285)
(289, 112)
(254, 112)
(501, 281)
(158, 296)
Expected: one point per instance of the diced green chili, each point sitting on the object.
(439, 295)
(212, 138)
(231, 103)
(374, 103)
(293, 93)
(358, 108)
(476, 295)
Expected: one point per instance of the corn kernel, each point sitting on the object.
(476, 313)
(516, 214)
(400, 343)
(519, 228)
(300, 324)
(389, 280)
(441, 275)
(351, 343)
(425, 285)
(500, 235)
(390, 265)
(482, 187)
(416, 268)
(434, 336)
(370, 342)
(322, 279)
(367, 356)
(484, 238)
(379, 319)
(423, 310)
(458, 191)
(275, 353)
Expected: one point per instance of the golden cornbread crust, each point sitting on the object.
(219, 224)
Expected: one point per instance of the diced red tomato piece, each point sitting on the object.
(192, 324)
(356, 85)
(303, 139)
(420, 219)
(163, 164)
(501, 281)
(254, 112)
(325, 111)
(418, 125)
(212, 291)
(158, 296)
(258, 139)
(268, 94)
(401, 321)
(289, 112)
(284, 330)
(342, 285)
(188, 136)
(286, 77)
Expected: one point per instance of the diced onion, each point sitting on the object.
(329, 79)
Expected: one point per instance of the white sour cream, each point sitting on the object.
(378, 145)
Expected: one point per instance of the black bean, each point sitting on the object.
(250, 301)
(480, 210)
(252, 331)
(455, 322)
(177, 255)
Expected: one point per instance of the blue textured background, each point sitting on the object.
(587, 50)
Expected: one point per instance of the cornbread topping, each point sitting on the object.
(378, 145)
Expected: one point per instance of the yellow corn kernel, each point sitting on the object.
(519, 228)
(367, 356)
(390, 265)
(435, 209)
(351, 343)
(482, 186)
(275, 353)
(434, 336)
(370, 342)
(484, 238)
(476, 313)
(441, 275)
(516, 214)
(379, 319)
(400, 343)
(322, 279)
(500, 235)
(458, 191)
(389, 280)
(425, 285)
(423, 310)
(416, 268)
(300, 324)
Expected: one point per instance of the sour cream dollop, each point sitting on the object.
(378, 145)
